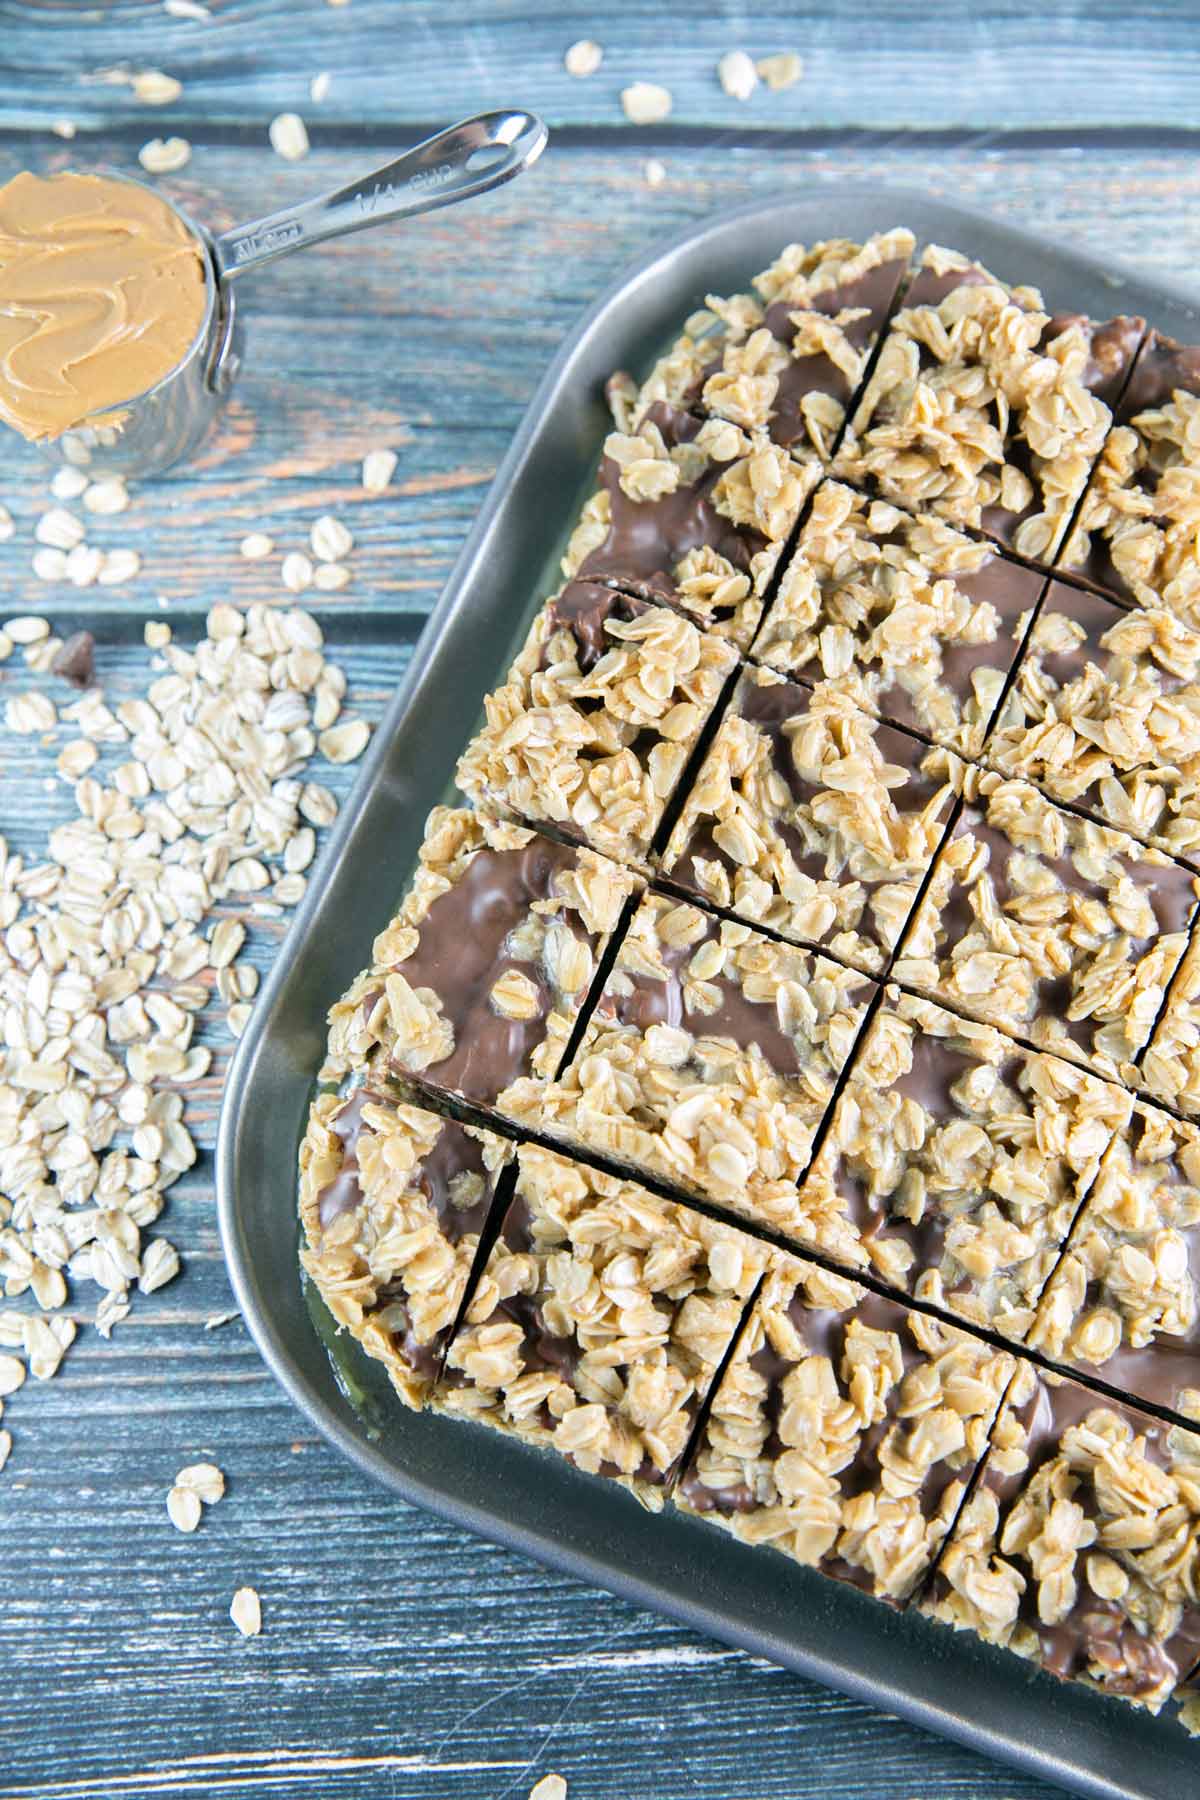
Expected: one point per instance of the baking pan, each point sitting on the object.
(949, 1682)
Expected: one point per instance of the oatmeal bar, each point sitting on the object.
(789, 357)
(1080, 1547)
(593, 727)
(599, 1322)
(906, 616)
(1136, 534)
(812, 818)
(709, 1061)
(986, 409)
(1123, 1302)
(1105, 714)
(479, 977)
(959, 1160)
(1049, 925)
(692, 512)
(393, 1200)
(845, 1431)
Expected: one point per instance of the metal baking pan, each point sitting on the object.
(946, 1681)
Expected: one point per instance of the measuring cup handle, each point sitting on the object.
(456, 164)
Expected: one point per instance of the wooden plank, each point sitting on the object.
(400, 1660)
(1003, 65)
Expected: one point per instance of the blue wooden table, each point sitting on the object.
(400, 1660)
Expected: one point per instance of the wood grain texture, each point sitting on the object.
(890, 66)
(399, 1659)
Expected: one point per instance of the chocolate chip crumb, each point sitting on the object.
(76, 661)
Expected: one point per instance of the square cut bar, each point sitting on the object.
(813, 819)
(599, 1322)
(1049, 926)
(709, 1061)
(393, 1200)
(480, 976)
(1122, 1304)
(1136, 533)
(595, 722)
(1105, 715)
(845, 1430)
(987, 409)
(957, 1161)
(1080, 1547)
(789, 357)
(692, 512)
(907, 617)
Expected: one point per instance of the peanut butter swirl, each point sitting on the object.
(102, 291)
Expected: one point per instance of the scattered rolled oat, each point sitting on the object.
(203, 1479)
(164, 156)
(27, 628)
(118, 566)
(289, 137)
(153, 88)
(737, 74)
(184, 1508)
(68, 483)
(107, 496)
(655, 172)
(583, 58)
(342, 743)
(49, 564)
(330, 539)
(186, 9)
(645, 103)
(780, 71)
(7, 528)
(318, 87)
(378, 468)
(296, 572)
(63, 128)
(256, 546)
(246, 1612)
(550, 1787)
(59, 528)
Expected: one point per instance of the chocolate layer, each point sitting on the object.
(599, 1322)
(393, 1201)
(815, 820)
(1123, 1303)
(708, 1061)
(1105, 715)
(844, 1431)
(906, 617)
(1048, 925)
(1080, 1552)
(961, 1160)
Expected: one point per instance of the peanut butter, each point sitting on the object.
(102, 292)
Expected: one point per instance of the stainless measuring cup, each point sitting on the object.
(166, 422)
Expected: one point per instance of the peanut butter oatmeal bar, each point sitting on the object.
(845, 1431)
(1049, 926)
(1136, 534)
(812, 818)
(393, 1200)
(986, 409)
(958, 1161)
(789, 357)
(1080, 1547)
(479, 977)
(709, 1061)
(1123, 1302)
(1105, 715)
(599, 1322)
(693, 512)
(907, 617)
(595, 722)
